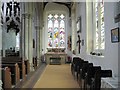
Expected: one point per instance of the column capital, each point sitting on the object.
(26, 15)
(37, 27)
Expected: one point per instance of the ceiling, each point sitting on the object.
(67, 4)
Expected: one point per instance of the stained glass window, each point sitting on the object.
(56, 30)
(102, 46)
(97, 32)
(100, 31)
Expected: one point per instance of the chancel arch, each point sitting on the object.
(58, 20)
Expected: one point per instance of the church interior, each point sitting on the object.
(60, 44)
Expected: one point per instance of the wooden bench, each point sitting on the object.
(35, 62)
(93, 77)
(15, 72)
(21, 67)
(27, 66)
(24, 68)
(6, 78)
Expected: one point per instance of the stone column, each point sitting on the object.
(22, 39)
(41, 29)
(30, 44)
(22, 32)
(0, 40)
(0, 47)
(30, 36)
(25, 26)
(118, 57)
(4, 30)
(38, 43)
(26, 29)
(0, 35)
(73, 30)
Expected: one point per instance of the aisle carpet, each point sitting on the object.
(57, 76)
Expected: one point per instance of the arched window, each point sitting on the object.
(56, 30)
(100, 31)
(18, 41)
(95, 30)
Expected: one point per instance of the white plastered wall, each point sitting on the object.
(110, 59)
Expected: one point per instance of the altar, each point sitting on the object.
(56, 56)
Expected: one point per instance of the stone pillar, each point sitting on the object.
(0, 35)
(73, 30)
(30, 44)
(26, 24)
(30, 36)
(22, 33)
(38, 43)
(118, 57)
(0, 47)
(4, 30)
(26, 16)
(41, 28)
(27, 38)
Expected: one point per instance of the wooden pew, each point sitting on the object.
(79, 72)
(15, 72)
(24, 68)
(74, 65)
(18, 59)
(83, 72)
(35, 62)
(6, 78)
(27, 66)
(21, 67)
(90, 76)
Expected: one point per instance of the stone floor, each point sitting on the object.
(32, 77)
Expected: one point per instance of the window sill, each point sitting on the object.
(97, 54)
(101, 56)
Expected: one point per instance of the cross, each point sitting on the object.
(79, 41)
(12, 7)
